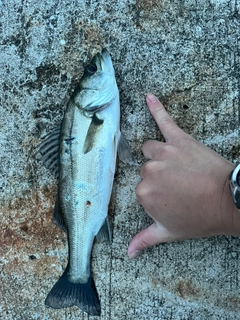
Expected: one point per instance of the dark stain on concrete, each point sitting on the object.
(37, 229)
(186, 289)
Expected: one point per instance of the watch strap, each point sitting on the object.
(235, 185)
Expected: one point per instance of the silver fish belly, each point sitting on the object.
(87, 146)
(86, 182)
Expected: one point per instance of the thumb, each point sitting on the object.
(152, 235)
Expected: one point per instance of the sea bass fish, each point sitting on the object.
(82, 153)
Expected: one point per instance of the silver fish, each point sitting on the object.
(82, 153)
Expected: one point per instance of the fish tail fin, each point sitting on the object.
(66, 294)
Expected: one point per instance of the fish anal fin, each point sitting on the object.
(124, 151)
(66, 294)
(57, 217)
(92, 133)
(104, 234)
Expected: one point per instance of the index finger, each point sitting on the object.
(164, 121)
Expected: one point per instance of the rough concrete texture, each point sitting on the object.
(184, 51)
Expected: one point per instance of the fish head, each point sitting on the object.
(98, 87)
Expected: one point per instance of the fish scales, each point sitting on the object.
(83, 159)
(88, 179)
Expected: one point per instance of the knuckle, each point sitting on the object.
(149, 167)
(165, 119)
(144, 244)
(167, 151)
(145, 147)
(141, 192)
(150, 144)
(150, 148)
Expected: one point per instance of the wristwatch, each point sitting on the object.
(235, 185)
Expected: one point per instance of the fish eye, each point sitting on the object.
(91, 69)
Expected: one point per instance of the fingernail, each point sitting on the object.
(151, 97)
(134, 254)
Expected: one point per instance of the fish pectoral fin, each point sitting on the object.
(124, 151)
(57, 217)
(48, 151)
(104, 234)
(92, 133)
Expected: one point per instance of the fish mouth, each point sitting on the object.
(105, 54)
(103, 60)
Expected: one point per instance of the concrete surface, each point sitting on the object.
(187, 53)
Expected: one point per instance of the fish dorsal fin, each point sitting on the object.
(57, 217)
(124, 151)
(92, 133)
(48, 151)
(104, 234)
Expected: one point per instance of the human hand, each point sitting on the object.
(184, 188)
